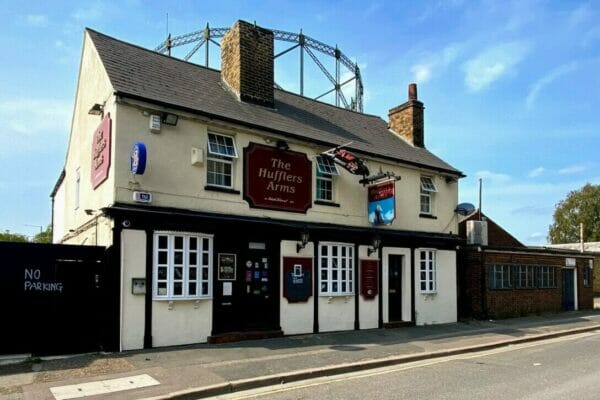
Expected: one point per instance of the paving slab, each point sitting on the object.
(188, 372)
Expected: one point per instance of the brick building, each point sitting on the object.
(500, 277)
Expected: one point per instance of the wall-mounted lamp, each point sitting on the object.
(97, 109)
(170, 119)
(304, 239)
(282, 145)
(375, 243)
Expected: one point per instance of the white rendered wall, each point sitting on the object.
(438, 308)
(296, 318)
(406, 279)
(336, 313)
(58, 214)
(133, 265)
(181, 322)
(175, 182)
(368, 310)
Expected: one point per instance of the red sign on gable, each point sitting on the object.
(101, 152)
(277, 179)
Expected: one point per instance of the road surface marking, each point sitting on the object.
(102, 387)
(286, 387)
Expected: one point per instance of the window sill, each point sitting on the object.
(326, 203)
(221, 189)
(428, 216)
(428, 293)
(181, 298)
(336, 294)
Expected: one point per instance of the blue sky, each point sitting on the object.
(511, 88)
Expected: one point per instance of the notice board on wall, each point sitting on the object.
(297, 279)
(369, 278)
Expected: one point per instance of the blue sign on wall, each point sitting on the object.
(382, 204)
(137, 162)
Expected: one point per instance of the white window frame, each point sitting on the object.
(338, 270)
(325, 176)
(428, 270)
(222, 158)
(427, 193)
(201, 281)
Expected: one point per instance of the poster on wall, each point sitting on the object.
(226, 270)
(297, 279)
(382, 203)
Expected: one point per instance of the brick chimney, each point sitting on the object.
(407, 119)
(247, 62)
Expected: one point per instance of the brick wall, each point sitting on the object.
(247, 62)
(496, 235)
(505, 303)
(407, 119)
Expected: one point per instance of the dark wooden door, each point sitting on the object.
(568, 293)
(395, 288)
(259, 290)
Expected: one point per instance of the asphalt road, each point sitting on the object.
(562, 368)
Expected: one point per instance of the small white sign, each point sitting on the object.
(142, 197)
(227, 288)
(570, 262)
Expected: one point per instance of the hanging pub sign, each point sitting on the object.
(297, 279)
(277, 179)
(347, 160)
(369, 278)
(381, 203)
(137, 160)
(101, 152)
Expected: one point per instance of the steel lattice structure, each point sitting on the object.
(304, 43)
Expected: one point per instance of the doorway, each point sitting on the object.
(249, 299)
(568, 290)
(395, 288)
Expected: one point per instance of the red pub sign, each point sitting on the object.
(277, 179)
(101, 152)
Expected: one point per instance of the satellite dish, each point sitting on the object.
(464, 208)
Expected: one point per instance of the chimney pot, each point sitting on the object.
(412, 91)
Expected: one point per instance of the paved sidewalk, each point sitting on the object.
(194, 371)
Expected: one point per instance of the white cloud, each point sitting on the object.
(534, 173)
(91, 13)
(493, 63)
(536, 238)
(424, 70)
(573, 169)
(580, 15)
(492, 176)
(37, 20)
(32, 124)
(547, 79)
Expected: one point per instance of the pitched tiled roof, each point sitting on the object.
(140, 73)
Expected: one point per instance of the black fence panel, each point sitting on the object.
(57, 299)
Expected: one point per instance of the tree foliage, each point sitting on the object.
(580, 206)
(8, 236)
(45, 236)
